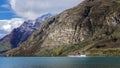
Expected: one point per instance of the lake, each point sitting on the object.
(59, 62)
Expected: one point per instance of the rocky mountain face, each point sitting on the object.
(88, 28)
(22, 33)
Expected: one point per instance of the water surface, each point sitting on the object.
(59, 62)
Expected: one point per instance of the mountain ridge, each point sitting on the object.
(22, 33)
(76, 30)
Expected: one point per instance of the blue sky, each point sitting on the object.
(5, 10)
(14, 12)
(31, 9)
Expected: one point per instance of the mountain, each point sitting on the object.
(22, 33)
(91, 28)
(41, 19)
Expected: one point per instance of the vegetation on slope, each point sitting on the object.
(91, 28)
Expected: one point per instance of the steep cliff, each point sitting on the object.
(80, 29)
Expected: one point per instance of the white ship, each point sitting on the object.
(76, 55)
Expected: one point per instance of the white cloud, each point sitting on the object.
(6, 26)
(34, 8)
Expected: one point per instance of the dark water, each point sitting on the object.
(59, 62)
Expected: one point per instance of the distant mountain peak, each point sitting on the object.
(92, 28)
(41, 19)
(22, 33)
